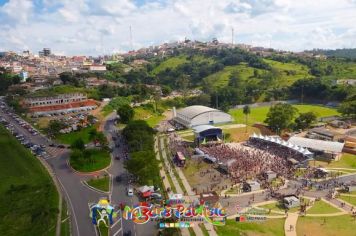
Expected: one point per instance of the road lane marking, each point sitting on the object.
(71, 205)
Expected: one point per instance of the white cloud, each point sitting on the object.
(79, 26)
(17, 10)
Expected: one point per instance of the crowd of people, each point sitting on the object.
(276, 149)
(245, 162)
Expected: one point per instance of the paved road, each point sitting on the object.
(118, 194)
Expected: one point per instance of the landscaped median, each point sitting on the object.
(89, 160)
(100, 183)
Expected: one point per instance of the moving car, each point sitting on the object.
(130, 191)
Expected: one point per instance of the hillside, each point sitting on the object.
(349, 53)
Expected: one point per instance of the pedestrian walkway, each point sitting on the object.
(290, 225)
(192, 197)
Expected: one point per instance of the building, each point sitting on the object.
(46, 52)
(207, 133)
(269, 175)
(318, 146)
(60, 104)
(321, 133)
(200, 115)
(291, 201)
(251, 186)
(97, 68)
(23, 76)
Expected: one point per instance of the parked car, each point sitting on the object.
(130, 191)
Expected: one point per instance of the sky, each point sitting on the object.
(94, 27)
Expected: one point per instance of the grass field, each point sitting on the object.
(65, 225)
(100, 160)
(321, 207)
(299, 72)
(276, 206)
(341, 225)
(71, 137)
(102, 183)
(349, 199)
(150, 117)
(271, 227)
(28, 197)
(170, 63)
(259, 114)
(221, 78)
(346, 161)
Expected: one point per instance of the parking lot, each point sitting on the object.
(39, 145)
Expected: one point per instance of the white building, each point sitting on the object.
(200, 115)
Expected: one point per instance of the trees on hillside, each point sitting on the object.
(348, 108)
(280, 116)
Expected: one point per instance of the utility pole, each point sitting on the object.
(302, 94)
(131, 44)
(232, 36)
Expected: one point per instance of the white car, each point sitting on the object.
(130, 191)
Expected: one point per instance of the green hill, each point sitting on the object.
(28, 197)
(172, 63)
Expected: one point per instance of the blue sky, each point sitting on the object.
(92, 27)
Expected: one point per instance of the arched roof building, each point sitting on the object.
(200, 115)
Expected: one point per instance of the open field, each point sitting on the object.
(28, 197)
(349, 199)
(169, 63)
(221, 78)
(270, 227)
(346, 161)
(289, 72)
(102, 183)
(276, 206)
(71, 137)
(150, 117)
(341, 225)
(259, 114)
(99, 160)
(321, 207)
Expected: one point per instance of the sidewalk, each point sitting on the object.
(193, 197)
(291, 220)
(197, 230)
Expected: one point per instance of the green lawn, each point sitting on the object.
(28, 197)
(150, 117)
(329, 226)
(276, 206)
(102, 183)
(99, 159)
(259, 114)
(71, 137)
(169, 63)
(321, 207)
(65, 225)
(270, 227)
(349, 199)
(346, 161)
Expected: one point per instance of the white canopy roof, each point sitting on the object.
(321, 145)
(295, 147)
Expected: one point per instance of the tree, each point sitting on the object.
(246, 110)
(78, 144)
(305, 120)
(280, 116)
(126, 113)
(348, 108)
(54, 127)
